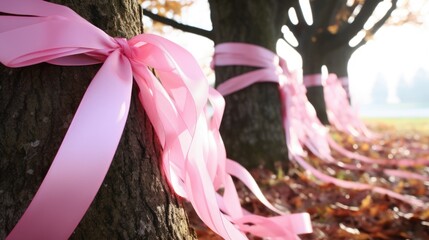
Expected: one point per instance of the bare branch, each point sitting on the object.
(186, 28)
(322, 19)
(348, 32)
(386, 16)
(377, 25)
(299, 13)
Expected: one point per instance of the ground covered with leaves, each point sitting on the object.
(339, 213)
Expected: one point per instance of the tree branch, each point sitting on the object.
(282, 15)
(288, 43)
(295, 29)
(298, 29)
(186, 28)
(377, 25)
(299, 13)
(383, 20)
(362, 17)
(344, 36)
(326, 10)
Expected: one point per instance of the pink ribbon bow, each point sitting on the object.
(184, 111)
(302, 127)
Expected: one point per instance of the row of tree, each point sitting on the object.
(252, 128)
(37, 104)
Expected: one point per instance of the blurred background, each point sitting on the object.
(389, 75)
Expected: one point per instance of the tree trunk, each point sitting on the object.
(311, 39)
(252, 125)
(337, 62)
(312, 61)
(37, 104)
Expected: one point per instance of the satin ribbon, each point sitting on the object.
(302, 127)
(340, 114)
(345, 84)
(313, 80)
(184, 111)
(345, 119)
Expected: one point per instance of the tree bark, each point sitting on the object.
(37, 104)
(313, 46)
(312, 62)
(337, 60)
(252, 125)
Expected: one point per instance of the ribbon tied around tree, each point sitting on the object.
(300, 122)
(184, 111)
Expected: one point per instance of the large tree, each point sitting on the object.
(37, 104)
(252, 125)
(337, 59)
(326, 39)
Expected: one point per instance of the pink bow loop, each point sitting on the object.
(68, 46)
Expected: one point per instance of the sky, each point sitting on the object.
(398, 60)
(377, 71)
(395, 53)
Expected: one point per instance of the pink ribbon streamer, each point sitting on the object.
(345, 84)
(340, 114)
(345, 119)
(184, 110)
(300, 121)
(313, 80)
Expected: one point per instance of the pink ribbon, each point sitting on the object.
(345, 84)
(300, 121)
(301, 129)
(345, 119)
(313, 80)
(340, 114)
(184, 111)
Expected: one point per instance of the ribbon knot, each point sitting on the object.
(125, 47)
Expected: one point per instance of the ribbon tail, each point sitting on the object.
(83, 158)
(340, 112)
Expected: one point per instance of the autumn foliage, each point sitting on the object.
(339, 213)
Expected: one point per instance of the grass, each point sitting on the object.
(420, 125)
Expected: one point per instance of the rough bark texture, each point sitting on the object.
(37, 104)
(251, 128)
